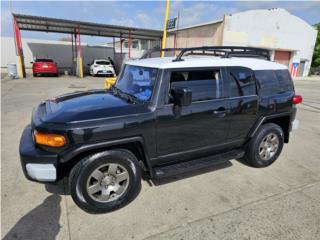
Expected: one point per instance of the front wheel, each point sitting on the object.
(105, 181)
(265, 147)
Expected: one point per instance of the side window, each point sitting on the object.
(241, 82)
(285, 80)
(268, 82)
(204, 84)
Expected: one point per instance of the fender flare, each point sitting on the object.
(75, 151)
(264, 119)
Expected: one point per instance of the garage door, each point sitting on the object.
(282, 57)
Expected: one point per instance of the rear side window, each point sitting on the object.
(285, 80)
(204, 84)
(241, 82)
(273, 81)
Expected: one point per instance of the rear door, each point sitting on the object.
(243, 103)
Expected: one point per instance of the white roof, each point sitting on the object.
(188, 62)
(196, 25)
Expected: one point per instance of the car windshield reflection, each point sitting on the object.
(137, 81)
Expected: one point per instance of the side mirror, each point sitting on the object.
(31, 62)
(182, 96)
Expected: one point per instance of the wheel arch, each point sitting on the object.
(282, 120)
(135, 145)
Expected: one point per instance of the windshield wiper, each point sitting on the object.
(129, 97)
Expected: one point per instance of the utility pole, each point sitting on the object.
(165, 28)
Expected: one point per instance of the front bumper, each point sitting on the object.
(37, 165)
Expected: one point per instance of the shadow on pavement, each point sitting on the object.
(60, 187)
(40, 223)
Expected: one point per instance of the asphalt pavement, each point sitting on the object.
(228, 201)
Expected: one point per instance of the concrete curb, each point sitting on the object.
(312, 78)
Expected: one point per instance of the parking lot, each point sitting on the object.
(228, 201)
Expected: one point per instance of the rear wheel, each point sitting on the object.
(265, 147)
(105, 181)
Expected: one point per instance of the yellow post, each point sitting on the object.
(20, 69)
(165, 28)
(81, 67)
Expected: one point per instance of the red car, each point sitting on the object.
(44, 66)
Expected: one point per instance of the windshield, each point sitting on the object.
(102, 63)
(137, 81)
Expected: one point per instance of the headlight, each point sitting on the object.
(49, 139)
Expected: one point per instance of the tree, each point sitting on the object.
(316, 53)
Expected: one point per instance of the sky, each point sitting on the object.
(143, 14)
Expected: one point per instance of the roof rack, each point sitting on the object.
(148, 54)
(225, 51)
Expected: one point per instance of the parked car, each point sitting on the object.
(102, 67)
(44, 66)
(164, 116)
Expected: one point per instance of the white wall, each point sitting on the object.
(59, 51)
(272, 29)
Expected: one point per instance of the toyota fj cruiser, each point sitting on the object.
(164, 116)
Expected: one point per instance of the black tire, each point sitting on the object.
(252, 155)
(81, 172)
(34, 75)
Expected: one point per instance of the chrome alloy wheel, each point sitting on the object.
(268, 146)
(108, 182)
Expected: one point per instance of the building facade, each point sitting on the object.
(290, 39)
(138, 46)
(59, 51)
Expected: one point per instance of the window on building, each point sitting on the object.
(144, 44)
(241, 82)
(154, 43)
(135, 44)
(204, 84)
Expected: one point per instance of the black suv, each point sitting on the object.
(164, 116)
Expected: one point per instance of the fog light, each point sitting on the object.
(49, 139)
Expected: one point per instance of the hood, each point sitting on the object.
(88, 105)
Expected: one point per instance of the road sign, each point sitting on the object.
(171, 24)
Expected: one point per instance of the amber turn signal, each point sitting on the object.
(49, 139)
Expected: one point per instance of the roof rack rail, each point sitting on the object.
(148, 53)
(225, 51)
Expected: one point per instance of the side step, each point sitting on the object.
(183, 167)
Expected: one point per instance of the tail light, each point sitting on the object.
(297, 99)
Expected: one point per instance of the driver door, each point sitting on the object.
(198, 128)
